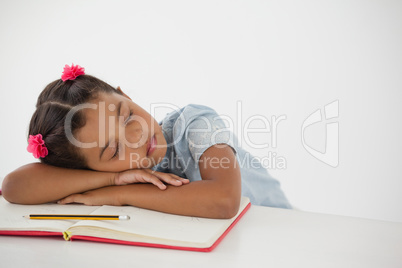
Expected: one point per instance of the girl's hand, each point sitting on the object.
(149, 176)
(98, 197)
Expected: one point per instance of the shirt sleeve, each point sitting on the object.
(205, 128)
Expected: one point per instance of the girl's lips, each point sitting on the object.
(151, 145)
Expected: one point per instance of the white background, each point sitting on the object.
(272, 57)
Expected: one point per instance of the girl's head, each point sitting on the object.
(87, 124)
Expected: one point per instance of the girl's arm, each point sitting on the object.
(217, 195)
(40, 183)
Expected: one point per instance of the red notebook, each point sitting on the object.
(145, 228)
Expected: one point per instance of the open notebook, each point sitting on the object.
(145, 227)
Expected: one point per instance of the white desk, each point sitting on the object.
(264, 237)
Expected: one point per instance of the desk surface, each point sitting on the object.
(265, 237)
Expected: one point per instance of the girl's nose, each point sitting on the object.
(135, 135)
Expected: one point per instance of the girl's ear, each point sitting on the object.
(122, 93)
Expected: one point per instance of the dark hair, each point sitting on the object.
(52, 107)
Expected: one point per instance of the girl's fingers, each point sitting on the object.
(160, 176)
(74, 198)
(148, 177)
(170, 178)
(183, 180)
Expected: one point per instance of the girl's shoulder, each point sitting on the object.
(187, 114)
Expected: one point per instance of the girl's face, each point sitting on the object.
(120, 135)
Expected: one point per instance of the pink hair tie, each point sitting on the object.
(36, 146)
(72, 72)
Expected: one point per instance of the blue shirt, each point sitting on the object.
(191, 130)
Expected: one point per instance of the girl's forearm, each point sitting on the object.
(200, 199)
(217, 195)
(40, 183)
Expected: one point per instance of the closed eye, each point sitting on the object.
(116, 153)
(129, 117)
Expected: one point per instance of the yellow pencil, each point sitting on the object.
(75, 217)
